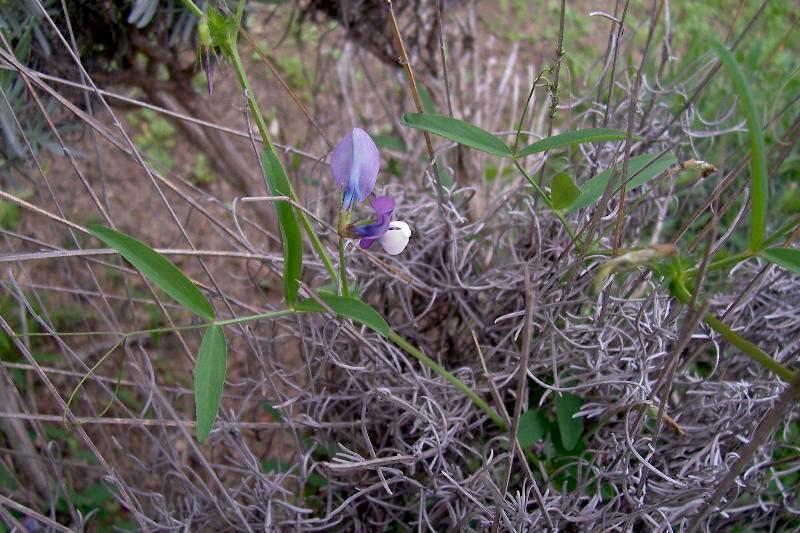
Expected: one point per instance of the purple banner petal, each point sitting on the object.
(354, 164)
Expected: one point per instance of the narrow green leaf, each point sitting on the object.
(209, 378)
(643, 168)
(427, 100)
(278, 184)
(758, 160)
(157, 269)
(532, 427)
(569, 428)
(349, 307)
(444, 175)
(788, 258)
(389, 142)
(563, 191)
(458, 131)
(574, 137)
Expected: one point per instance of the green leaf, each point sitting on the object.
(574, 137)
(389, 142)
(209, 378)
(276, 415)
(563, 191)
(788, 258)
(278, 184)
(569, 428)
(426, 99)
(349, 307)
(157, 269)
(532, 427)
(458, 131)
(444, 175)
(758, 160)
(643, 168)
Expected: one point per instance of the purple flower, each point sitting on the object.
(372, 231)
(354, 163)
(392, 234)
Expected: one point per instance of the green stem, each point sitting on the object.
(191, 6)
(775, 237)
(748, 348)
(261, 124)
(525, 108)
(251, 318)
(342, 270)
(394, 337)
(720, 264)
(460, 385)
(745, 346)
(189, 327)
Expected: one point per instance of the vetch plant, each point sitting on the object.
(355, 162)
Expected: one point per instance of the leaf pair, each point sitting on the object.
(211, 366)
(566, 195)
(480, 139)
(209, 372)
(643, 168)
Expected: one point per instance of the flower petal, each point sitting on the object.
(366, 243)
(371, 229)
(396, 237)
(383, 204)
(354, 163)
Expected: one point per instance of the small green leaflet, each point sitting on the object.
(574, 137)
(209, 378)
(532, 427)
(643, 168)
(279, 185)
(458, 131)
(570, 428)
(157, 269)
(563, 191)
(788, 258)
(349, 307)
